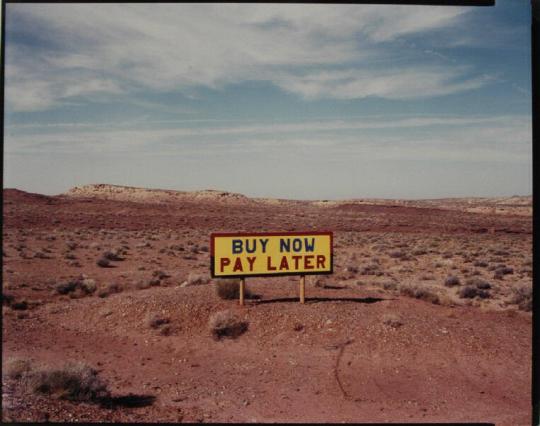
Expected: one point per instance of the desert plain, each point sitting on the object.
(426, 318)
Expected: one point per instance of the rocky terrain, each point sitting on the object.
(426, 318)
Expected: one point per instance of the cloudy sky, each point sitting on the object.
(291, 101)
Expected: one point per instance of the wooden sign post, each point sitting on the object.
(267, 254)
(242, 290)
(302, 288)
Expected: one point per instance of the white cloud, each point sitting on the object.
(109, 48)
(321, 125)
(401, 83)
(28, 88)
(498, 138)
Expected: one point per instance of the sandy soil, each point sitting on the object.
(367, 346)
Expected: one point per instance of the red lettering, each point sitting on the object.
(269, 264)
(224, 261)
(238, 265)
(320, 261)
(307, 261)
(251, 261)
(284, 264)
(296, 261)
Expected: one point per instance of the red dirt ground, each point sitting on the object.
(357, 351)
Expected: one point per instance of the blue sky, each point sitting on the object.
(289, 101)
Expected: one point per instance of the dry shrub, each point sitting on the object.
(159, 274)
(111, 288)
(522, 297)
(112, 255)
(319, 282)
(20, 305)
(88, 285)
(389, 285)
(82, 285)
(419, 292)
(144, 284)
(67, 287)
(392, 320)
(103, 262)
(15, 368)
(225, 324)
(298, 326)
(470, 292)
(396, 254)
(479, 283)
(166, 330)
(446, 300)
(154, 282)
(157, 320)
(502, 270)
(229, 289)
(196, 279)
(75, 381)
(451, 281)
(371, 269)
(7, 299)
(351, 269)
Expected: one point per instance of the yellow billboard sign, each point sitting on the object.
(262, 254)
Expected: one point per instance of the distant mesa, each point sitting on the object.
(131, 193)
(513, 205)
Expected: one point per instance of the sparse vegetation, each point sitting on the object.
(396, 254)
(478, 283)
(111, 288)
(420, 292)
(389, 285)
(88, 286)
(157, 320)
(160, 274)
(471, 291)
(75, 382)
(79, 286)
(352, 269)
(229, 289)
(166, 330)
(103, 262)
(501, 271)
(66, 287)
(7, 299)
(226, 324)
(15, 368)
(196, 279)
(392, 320)
(112, 256)
(165, 354)
(451, 281)
(522, 296)
(371, 269)
(20, 305)
(145, 283)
